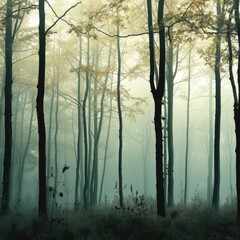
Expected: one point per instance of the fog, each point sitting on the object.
(95, 51)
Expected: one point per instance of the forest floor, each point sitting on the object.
(138, 221)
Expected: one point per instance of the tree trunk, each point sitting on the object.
(165, 156)
(8, 110)
(170, 127)
(216, 186)
(158, 93)
(210, 151)
(79, 149)
(18, 150)
(120, 121)
(17, 144)
(76, 201)
(56, 132)
(106, 146)
(21, 170)
(49, 172)
(42, 206)
(237, 104)
(187, 129)
(146, 141)
(97, 132)
(86, 183)
(94, 177)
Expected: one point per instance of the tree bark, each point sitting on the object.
(236, 92)
(158, 93)
(120, 122)
(216, 185)
(7, 161)
(42, 206)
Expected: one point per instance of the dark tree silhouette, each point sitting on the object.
(237, 108)
(210, 140)
(216, 185)
(79, 149)
(120, 122)
(8, 109)
(86, 167)
(42, 204)
(236, 92)
(158, 93)
(11, 30)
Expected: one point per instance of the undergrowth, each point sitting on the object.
(137, 220)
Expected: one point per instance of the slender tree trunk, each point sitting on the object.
(86, 183)
(106, 146)
(8, 110)
(56, 134)
(120, 121)
(79, 144)
(229, 147)
(49, 172)
(1, 131)
(21, 170)
(216, 186)
(18, 150)
(94, 177)
(210, 152)
(79, 149)
(170, 127)
(187, 129)
(165, 146)
(236, 92)
(89, 136)
(17, 143)
(145, 153)
(42, 204)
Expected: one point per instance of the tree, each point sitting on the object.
(98, 126)
(42, 203)
(10, 34)
(216, 185)
(170, 88)
(86, 165)
(24, 155)
(210, 151)
(107, 142)
(79, 145)
(235, 89)
(187, 128)
(158, 93)
(120, 187)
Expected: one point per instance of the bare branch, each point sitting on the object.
(18, 10)
(59, 18)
